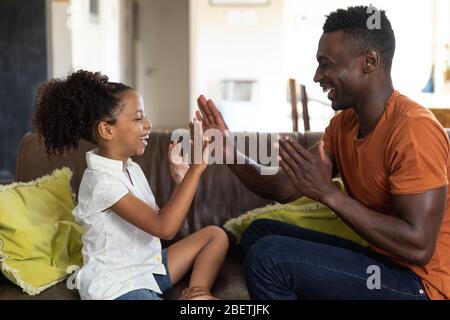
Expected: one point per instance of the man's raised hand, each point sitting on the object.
(210, 115)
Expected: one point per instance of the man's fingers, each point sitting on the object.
(302, 151)
(191, 129)
(210, 114)
(216, 115)
(203, 106)
(204, 109)
(201, 99)
(289, 154)
(208, 110)
(290, 173)
(199, 116)
(198, 131)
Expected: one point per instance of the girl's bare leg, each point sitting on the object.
(204, 250)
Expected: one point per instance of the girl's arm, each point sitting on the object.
(166, 224)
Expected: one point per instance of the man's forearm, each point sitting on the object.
(389, 233)
(276, 187)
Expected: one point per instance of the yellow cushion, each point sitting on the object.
(39, 238)
(303, 212)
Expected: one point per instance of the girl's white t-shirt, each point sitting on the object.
(118, 257)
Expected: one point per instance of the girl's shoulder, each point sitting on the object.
(99, 176)
(95, 179)
(99, 191)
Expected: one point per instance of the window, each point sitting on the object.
(94, 8)
(238, 90)
(239, 3)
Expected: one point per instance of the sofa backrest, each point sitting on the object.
(220, 195)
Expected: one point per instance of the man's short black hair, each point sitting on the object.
(353, 21)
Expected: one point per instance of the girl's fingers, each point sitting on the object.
(170, 150)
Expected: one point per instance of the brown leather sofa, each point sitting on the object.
(220, 196)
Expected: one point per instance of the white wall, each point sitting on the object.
(162, 62)
(96, 43)
(61, 39)
(188, 47)
(239, 43)
(412, 24)
(442, 38)
(280, 41)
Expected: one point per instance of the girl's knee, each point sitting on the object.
(216, 233)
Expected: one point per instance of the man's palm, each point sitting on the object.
(210, 115)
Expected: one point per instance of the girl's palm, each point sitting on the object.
(179, 166)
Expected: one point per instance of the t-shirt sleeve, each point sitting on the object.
(106, 193)
(418, 157)
(329, 135)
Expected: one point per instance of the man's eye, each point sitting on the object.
(139, 119)
(324, 64)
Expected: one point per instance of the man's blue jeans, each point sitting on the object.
(286, 262)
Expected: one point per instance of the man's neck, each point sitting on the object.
(371, 108)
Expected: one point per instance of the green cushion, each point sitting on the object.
(302, 212)
(39, 238)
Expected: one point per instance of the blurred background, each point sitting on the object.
(240, 53)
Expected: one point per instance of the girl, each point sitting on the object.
(123, 226)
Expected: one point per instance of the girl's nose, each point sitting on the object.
(148, 124)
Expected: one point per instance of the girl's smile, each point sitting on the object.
(129, 135)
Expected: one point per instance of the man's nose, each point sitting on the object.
(317, 76)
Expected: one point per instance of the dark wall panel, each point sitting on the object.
(23, 66)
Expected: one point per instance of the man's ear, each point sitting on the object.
(105, 131)
(371, 61)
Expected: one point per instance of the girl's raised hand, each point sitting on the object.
(199, 143)
(179, 166)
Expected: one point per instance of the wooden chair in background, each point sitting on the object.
(442, 115)
(304, 102)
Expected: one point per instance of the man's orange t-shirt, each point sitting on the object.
(406, 153)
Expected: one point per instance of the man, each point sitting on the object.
(393, 157)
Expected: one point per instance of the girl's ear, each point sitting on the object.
(105, 131)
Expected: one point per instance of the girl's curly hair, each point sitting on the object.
(67, 111)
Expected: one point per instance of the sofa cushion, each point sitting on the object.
(303, 212)
(230, 284)
(39, 238)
